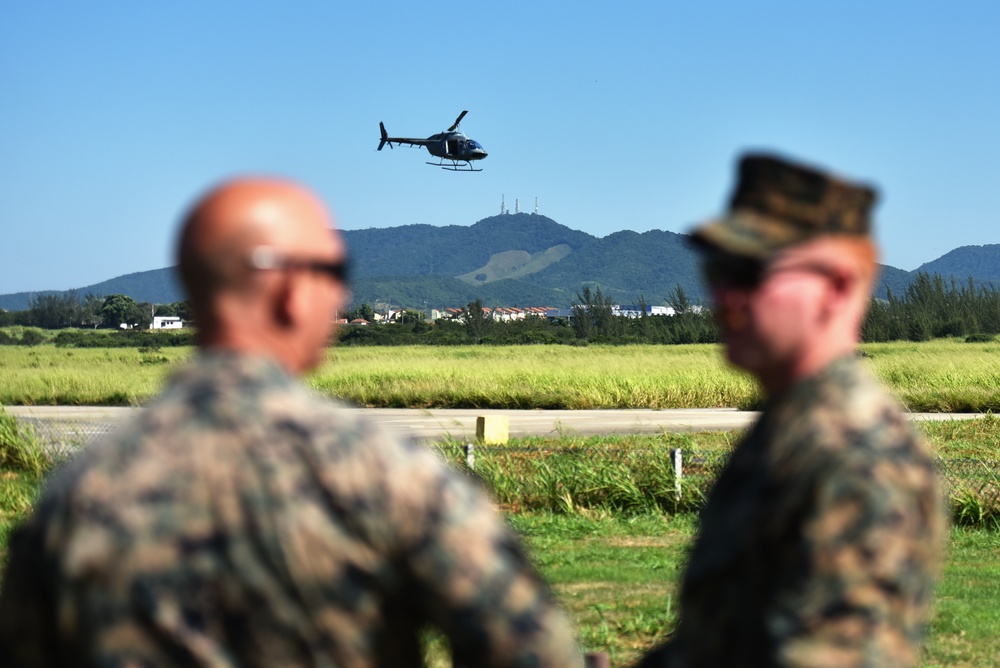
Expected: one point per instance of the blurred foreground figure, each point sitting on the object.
(821, 539)
(241, 520)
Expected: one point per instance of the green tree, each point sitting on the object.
(678, 300)
(55, 311)
(411, 316)
(165, 310)
(477, 323)
(90, 311)
(183, 310)
(365, 312)
(594, 318)
(118, 310)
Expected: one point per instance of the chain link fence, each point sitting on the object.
(64, 437)
(973, 485)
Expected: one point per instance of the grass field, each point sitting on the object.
(618, 578)
(940, 376)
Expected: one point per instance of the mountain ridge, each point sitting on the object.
(520, 259)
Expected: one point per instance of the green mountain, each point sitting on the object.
(521, 259)
(516, 259)
(980, 262)
(157, 286)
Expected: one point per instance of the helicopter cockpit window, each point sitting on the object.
(473, 144)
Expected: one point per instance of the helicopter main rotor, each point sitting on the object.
(454, 126)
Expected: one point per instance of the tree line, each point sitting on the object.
(929, 307)
(70, 310)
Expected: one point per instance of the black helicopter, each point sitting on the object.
(450, 145)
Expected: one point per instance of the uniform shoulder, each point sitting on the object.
(844, 419)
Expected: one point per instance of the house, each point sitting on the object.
(166, 322)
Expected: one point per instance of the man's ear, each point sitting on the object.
(284, 306)
(839, 291)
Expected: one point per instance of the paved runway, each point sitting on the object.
(460, 424)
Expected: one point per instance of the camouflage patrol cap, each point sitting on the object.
(778, 203)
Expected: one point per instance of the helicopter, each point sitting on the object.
(451, 145)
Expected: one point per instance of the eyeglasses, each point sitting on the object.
(265, 258)
(742, 273)
(733, 271)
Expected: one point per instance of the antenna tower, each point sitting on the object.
(503, 207)
(517, 205)
(536, 206)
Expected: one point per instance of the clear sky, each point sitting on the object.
(115, 114)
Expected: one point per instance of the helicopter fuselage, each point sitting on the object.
(451, 145)
(454, 146)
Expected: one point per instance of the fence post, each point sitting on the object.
(470, 456)
(678, 472)
(596, 660)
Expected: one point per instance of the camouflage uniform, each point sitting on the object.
(242, 521)
(820, 541)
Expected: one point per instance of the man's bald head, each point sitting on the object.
(226, 224)
(244, 305)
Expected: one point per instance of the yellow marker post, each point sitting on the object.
(492, 429)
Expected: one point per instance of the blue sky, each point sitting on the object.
(114, 115)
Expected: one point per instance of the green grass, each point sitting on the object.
(47, 375)
(970, 439)
(20, 449)
(964, 629)
(626, 474)
(535, 377)
(941, 375)
(18, 491)
(618, 577)
(634, 474)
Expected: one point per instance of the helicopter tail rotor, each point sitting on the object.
(458, 120)
(385, 136)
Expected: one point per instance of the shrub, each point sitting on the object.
(19, 447)
(31, 337)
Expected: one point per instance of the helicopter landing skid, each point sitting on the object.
(455, 166)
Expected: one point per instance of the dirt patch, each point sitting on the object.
(646, 541)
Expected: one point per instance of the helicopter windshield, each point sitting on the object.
(474, 144)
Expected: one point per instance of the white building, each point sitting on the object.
(635, 310)
(166, 322)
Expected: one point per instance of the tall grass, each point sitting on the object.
(618, 474)
(20, 449)
(629, 475)
(23, 463)
(557, 377)
(47, 375)
(941, 375)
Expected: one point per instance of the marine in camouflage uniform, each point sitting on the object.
(241, 520)
(821, 540)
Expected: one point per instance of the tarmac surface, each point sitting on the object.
(460, 424)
